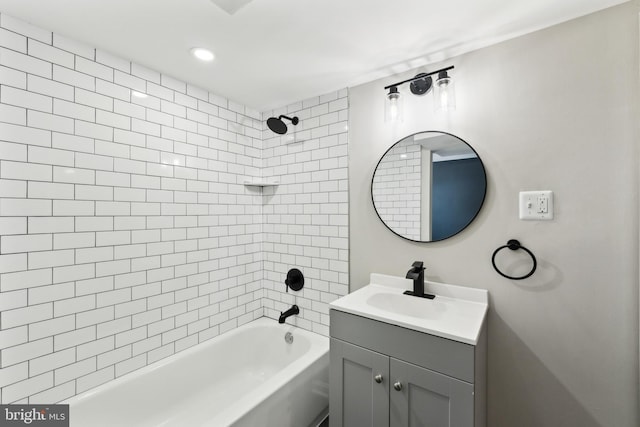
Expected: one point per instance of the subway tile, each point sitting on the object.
(74, 305)
(131, 364)
(13, 188)
(21, 27)
(112, 119)
(113, 90)
(13, 115)
(70, 142)
(24, 135)
(88, 66)
(74, 338)
(22, 98)
(73, 272)
(11, 151)
(73, 175)
(113, 178)
(43, 294)
(73, 46)
(14, 373)
(24, 207)
(75, 370)
(69, 208)
(113, 208)
(50, 156)
(73, 110)
(25, 279)
(48, 190)
(94, 317)
(145, 73)
(114, 327)
(73, 240)
(11, 77)
(50, 88)
(111, 149)
(92, 161)
(26, 315)
(13, 41)
(74, 78)
(112, 267)
(98, 223)
(130, 110)
(89, 255)
(28, 387)
(14, 299)
(22, 62)
(50, 53)
(92, 286)
(129, 223)
(51, 361)
(93, 130)
(112, 61)
(50, 259)
(26, 243)
(54, 394)
(95, 379)
(94, 348)
(92, 99)
(25, 171)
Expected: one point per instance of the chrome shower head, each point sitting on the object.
(278, 126)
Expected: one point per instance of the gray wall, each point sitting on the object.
(558, 110)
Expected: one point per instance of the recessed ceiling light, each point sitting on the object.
(202, 54)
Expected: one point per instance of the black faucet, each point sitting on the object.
(417, 275)
(293, 310)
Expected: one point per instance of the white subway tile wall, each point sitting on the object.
(397, 190)
(127, 234)
(306, 216)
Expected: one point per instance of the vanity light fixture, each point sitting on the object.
(445, 97)
(202, 54)
(419, 85)
(393, 106)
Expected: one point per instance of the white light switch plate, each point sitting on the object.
(536, 205)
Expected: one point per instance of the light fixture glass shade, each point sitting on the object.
(444, 95)
(393, 106)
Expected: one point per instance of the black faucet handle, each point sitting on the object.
(418, 265)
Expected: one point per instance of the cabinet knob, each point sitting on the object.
(397, 385)
(378, 378)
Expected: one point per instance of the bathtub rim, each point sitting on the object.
(319, 346)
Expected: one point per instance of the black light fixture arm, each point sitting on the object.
(418, 77)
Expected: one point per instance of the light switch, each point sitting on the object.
(536, 205)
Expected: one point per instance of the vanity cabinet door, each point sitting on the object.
(359, 386)
(427, 398)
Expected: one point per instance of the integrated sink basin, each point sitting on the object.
(407, 305)
(455, 313)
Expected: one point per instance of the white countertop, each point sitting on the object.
(456, 313)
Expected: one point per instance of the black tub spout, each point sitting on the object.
(293, 310)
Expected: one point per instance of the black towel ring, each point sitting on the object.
(513, 244)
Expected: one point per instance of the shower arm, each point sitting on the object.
(293, 120)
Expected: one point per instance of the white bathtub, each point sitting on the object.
(247, 377)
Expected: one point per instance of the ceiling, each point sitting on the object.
(270, 53)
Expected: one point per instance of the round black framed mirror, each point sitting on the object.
(428, 186)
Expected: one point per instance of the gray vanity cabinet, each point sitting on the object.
(427, 398)
(364, 396)
(383, 375)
